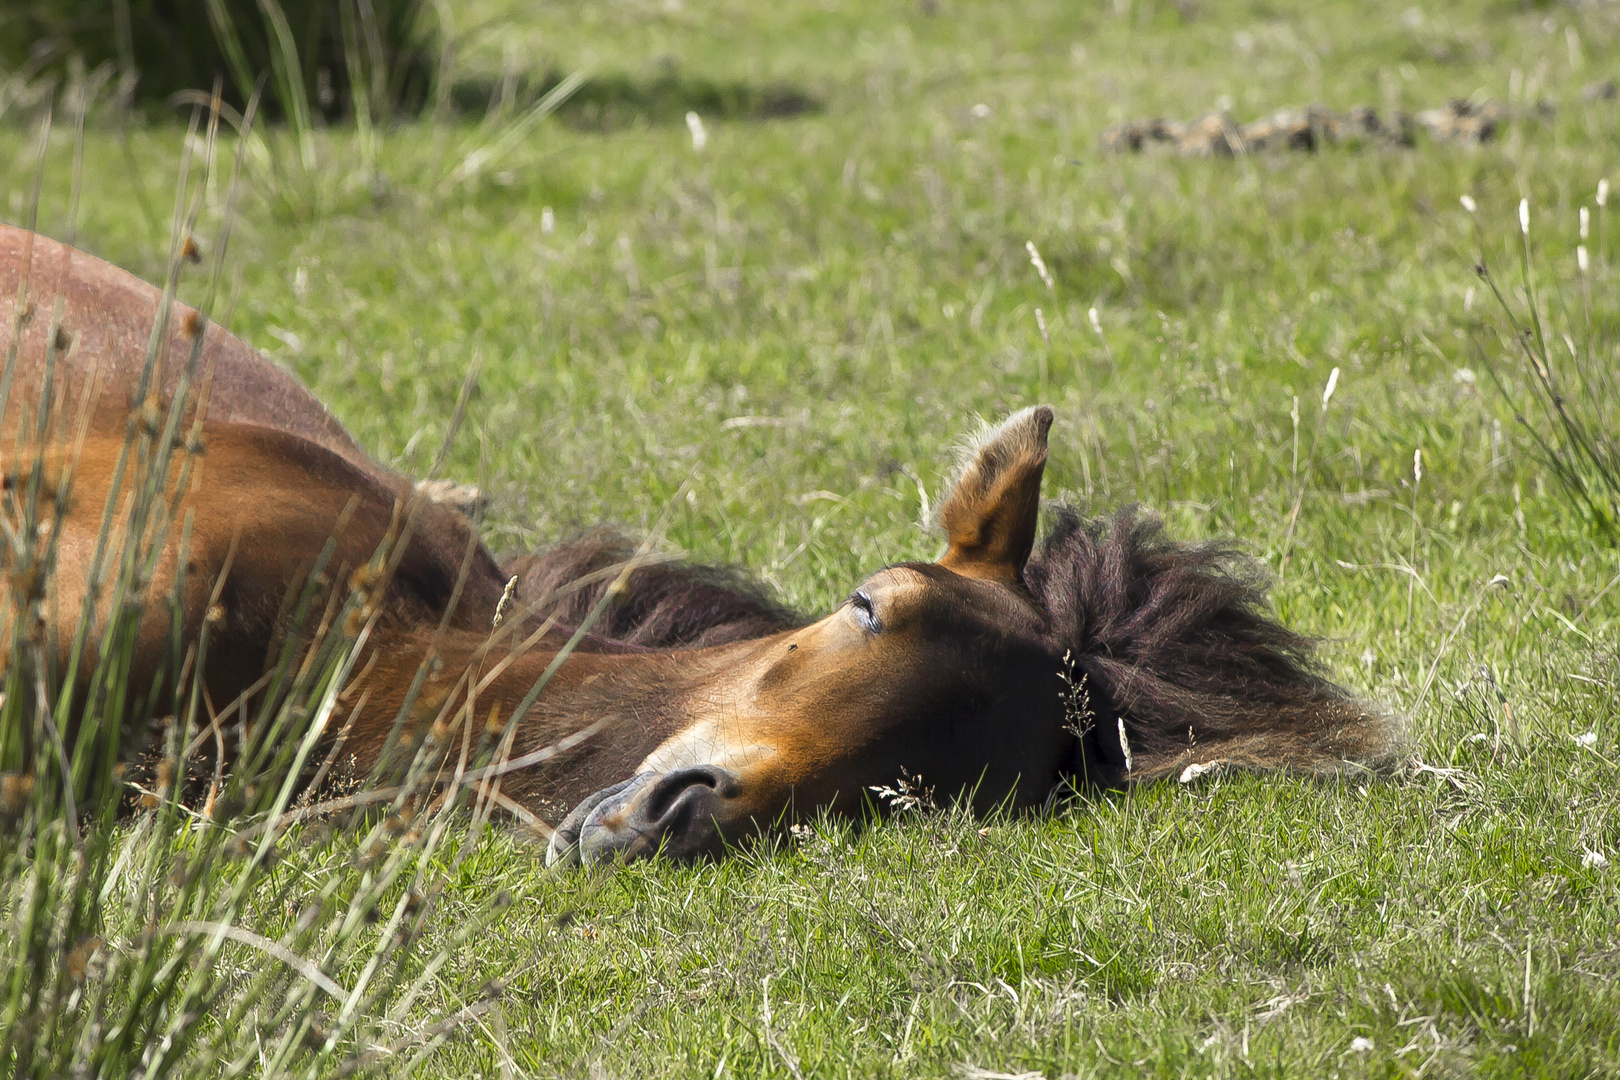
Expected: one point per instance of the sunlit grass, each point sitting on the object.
(800, 319)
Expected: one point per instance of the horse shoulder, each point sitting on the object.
(278, 499)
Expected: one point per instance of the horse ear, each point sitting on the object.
(989, 516)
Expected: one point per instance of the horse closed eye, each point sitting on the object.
(865, 613)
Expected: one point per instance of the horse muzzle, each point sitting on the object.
(676, 814)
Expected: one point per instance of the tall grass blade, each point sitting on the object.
(289, 75)
(480, 158)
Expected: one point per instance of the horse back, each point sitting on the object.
(100, 347)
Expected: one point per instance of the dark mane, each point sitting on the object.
(1175, 639)
(663, 604)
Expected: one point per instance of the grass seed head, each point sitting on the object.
(308, 916)
(316, 1036)
(505, 602)
(365, 577)
(226, 806)
(1039, 264)
(80, 961)
(439, 733)
(14, 791)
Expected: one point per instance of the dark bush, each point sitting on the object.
(306, 50)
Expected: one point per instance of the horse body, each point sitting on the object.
(103, 329)
(997, 672)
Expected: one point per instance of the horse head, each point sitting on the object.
(1112, 655)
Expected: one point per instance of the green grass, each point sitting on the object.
(857, 275)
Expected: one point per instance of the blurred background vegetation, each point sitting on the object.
(312, 53)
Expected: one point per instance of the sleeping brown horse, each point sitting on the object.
(700, 712)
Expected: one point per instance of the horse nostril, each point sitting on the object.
(671, 789)
(680, 813)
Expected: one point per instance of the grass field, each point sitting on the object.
(799, 320)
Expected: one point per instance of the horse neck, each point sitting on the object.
(598, 716)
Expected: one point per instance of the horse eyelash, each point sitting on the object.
(863, 603)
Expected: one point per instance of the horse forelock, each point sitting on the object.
(1177, 640)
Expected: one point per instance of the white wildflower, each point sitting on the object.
(1468, 203)
(1593, 859)
(1586, 221)
(1361, 1044)
(1581, 259)
(1417, 465)
(1589, 740)
(1096, 321)
(1603, 192)
(1524, 216)
(700, 137)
